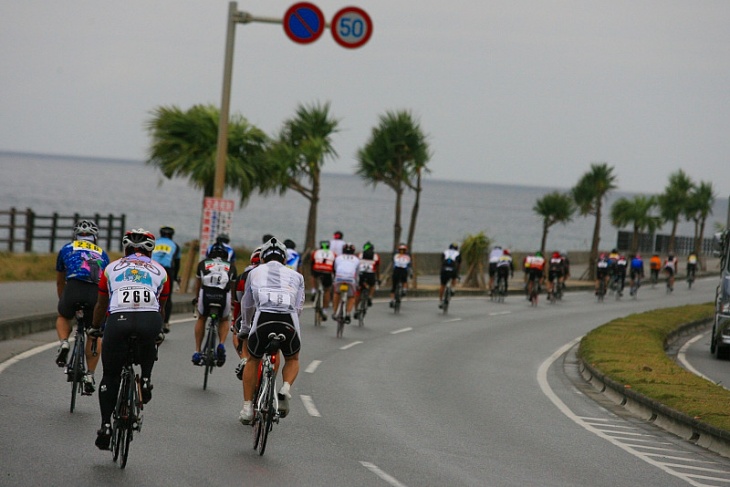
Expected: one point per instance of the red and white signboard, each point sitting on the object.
(351, 27)
(217, 219)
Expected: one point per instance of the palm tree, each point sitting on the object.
(554, 208)
(296, 158)
(674, 201)
(588, 194)
(395, 154)
(184, 145)
(473, 251)
(637, 212)
(699, 208)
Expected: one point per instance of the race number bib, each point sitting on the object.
(215, 279)
(274, 298)
(132, 297)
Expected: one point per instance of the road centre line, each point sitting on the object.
(312, 366)
(309, 406)
(350, 345)
(452, 320)
(497, 313)
(402, 330)
(384, 476)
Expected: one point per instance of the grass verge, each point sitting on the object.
(631, 351)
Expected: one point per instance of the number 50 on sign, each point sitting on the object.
(351, 27)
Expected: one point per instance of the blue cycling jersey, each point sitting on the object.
(81, 260)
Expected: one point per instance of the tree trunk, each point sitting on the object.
(594, 245)
(543, 241)
(397, 229)
(670, 249)
(412, 225)
(311, 234)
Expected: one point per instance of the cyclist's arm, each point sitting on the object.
(102, 303)
(60, 283)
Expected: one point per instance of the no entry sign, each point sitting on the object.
(351, 27)
(304, 22)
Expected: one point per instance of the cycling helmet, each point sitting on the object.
(138, 240)
(538, 254)
(367, 246)
(403, 247)
(289, 244)
(602, 256)
(86, 227)
(324, 245)
(638, 256)
(338, 234)
(256, 256)
(273, 250)
(217, 250)
(223, 238)
(506, 252)
(454, 246)
(556, 255)
(348, 248)
(167, 232)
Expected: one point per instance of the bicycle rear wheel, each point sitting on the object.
(209, 355)
(398, 293)
(446, 300)
(318, 308)
(77, 369)
(362, 310)
(340, 318)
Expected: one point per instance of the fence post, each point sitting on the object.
(54, 231)
(109, 230)
(11, 229)
(29, 224)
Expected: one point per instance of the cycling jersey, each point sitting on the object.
(369, 266)
(166, 252)
(323, 261)
(535, 263)
(216, 273)
(346, 268)
(401, 261)
(450, 260)
(293, 260)
(134, 283)
(655, 263)
(336, 246)
(82, 260)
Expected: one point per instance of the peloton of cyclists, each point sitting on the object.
(79, 266)
(450, 266)
(401, 271)
(346, 272)
(369, 273)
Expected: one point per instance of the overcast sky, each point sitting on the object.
(509, 91)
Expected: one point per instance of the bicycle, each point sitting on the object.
(341, 308)
(690, 278)
(501, 288)
(76, 367)
(318, 303)
(397, 297)
(634, 291)
(654, 277)
(555, 291)
(601, 292)
(266, 404)
(362, 304)
(209, 359)
(127, 416)
(534, 291)
(446, 299)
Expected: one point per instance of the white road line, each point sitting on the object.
(451, 320)
(682, 357)
(26, 354)
(388, 478)
(548, 391)
(350, 345)
(402, 330)
(309, 406)
(312, 366)
(498, 313)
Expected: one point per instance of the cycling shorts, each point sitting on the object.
(492, 269)
(554, 274)
(76, 291)
(212, 295)
(325, 277)
(367, 279)
(274, 323)
(669, 270)
(400, 274)
(446, 276)
(534, 274)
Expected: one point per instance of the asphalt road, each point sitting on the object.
(486, 395)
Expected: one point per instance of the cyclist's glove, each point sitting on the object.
(160, 338)
(195, 302)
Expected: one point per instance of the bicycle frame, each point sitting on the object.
(211, 340)
(76, 366)
(266, 404)
(318, 303)
(127, 417)
(341, 310)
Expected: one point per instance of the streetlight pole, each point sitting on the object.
(234, 16)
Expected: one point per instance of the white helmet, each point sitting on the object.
(273, 249)
(139, 239)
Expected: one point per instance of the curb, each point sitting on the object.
(676, 422)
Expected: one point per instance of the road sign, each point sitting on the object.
(304, 22)
(351, 27)
(217, 219)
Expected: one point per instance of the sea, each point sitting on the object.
(449, 210)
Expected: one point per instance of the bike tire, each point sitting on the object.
(340, 318)
(446, 300)
(267, 420)
(318, 308)
(363, 308)
(256, 422)
(501, 290)
(127, 426)
(209, 355)
(77, 372)
(398, 293)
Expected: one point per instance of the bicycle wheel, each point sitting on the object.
(267, 419)
(340, 317)
(127, 426)
(318, 307)
(362, 309)
(256, 422)
(77, 369)
(501, 290)
(398, 293)
(446, 299)
(209, 354)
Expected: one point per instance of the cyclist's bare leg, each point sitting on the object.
(63, 328)
(199, 332)
(327, 298)
(442, 287)
(223, 327)
(350, 303)
(336, 302)
(91, 360)
(250, 373)
(291, 368)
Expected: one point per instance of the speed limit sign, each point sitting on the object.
(351, 27)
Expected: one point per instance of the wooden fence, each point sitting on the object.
(25, 231)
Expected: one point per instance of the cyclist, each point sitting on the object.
(322, 266)
(655, 265)
(556, 270)
(239, 328)
(691, 265)
(345, 269)
(494, 256)
(167, 253)
(293, 259)
(636, 270)
(368, 271)
(566, 267)
(620, 270)
(131, 298)
(450, 265)
(602, 271)
(79, 266)
(276, 310)
(505, 267)
(212, 286)
(224, 240)
(401, 271)
(337, 244)
(670, 268)
(536, 272)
